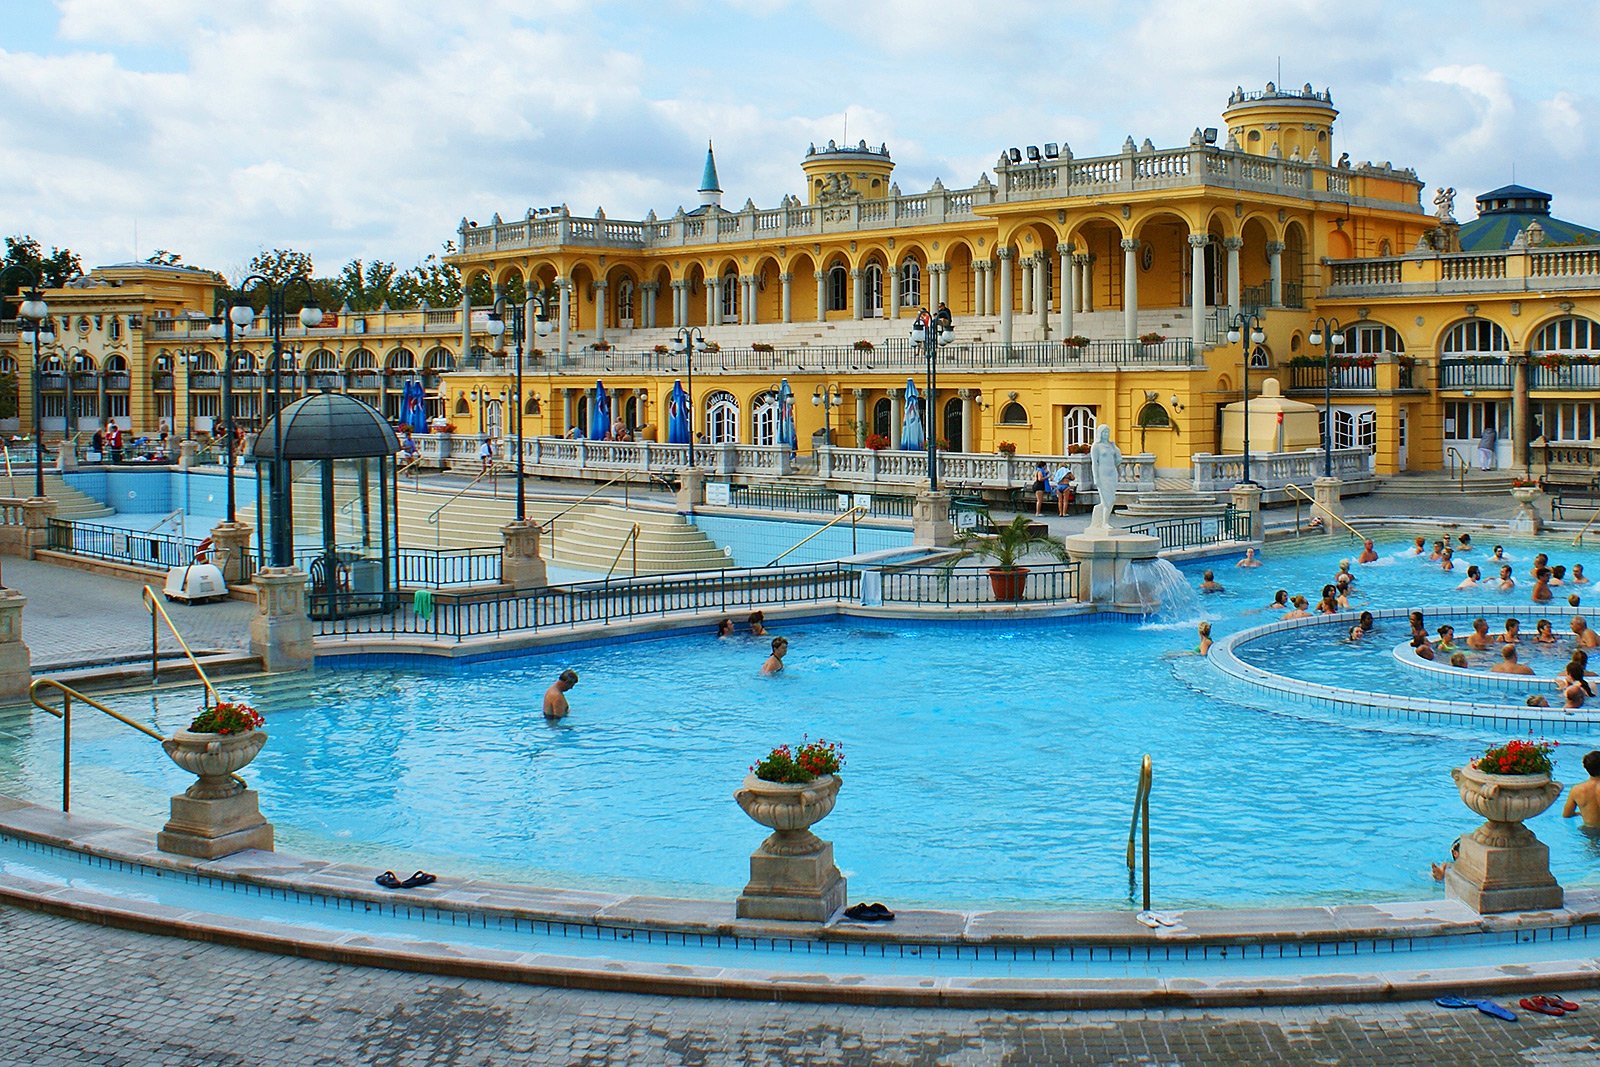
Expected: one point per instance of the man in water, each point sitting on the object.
(1480, 640)
(774, 662)
(555, 698)
(1584, 636)
(1368, 553)
(1508, 663)
(1209, 583)
(1585, 796)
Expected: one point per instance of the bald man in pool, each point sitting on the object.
(555, 698)
(1585, 796)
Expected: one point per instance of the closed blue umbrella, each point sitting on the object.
(600, 420)
(412, 411)
(677, 415)
(786, 430)
(912, 438)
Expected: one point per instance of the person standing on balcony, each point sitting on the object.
(1486, 445)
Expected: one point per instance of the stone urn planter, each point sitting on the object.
(792, 874)
(1503, 866)
(1527, 519)
(214, 757)
(1008, 584)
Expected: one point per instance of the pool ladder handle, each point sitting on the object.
(1578, 540)
(1141, 817)
(157, 614)
(859, 511)
(64, 713)
(1291, 487)
(631, 539)
(1452, 454)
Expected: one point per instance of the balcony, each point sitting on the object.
(1489, 374)
(1515, 270)
(1559, 374)
(1359, 374)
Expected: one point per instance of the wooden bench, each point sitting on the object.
(1580, 497)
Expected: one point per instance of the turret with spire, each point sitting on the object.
(710, 188)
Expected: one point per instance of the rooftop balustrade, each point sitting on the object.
(1511, 270)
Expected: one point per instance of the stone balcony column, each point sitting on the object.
(1130, 289)
(1005, 294)
(861, 418)
(1275, 264)
(16, 662)
(280, 633)
(858, 293)
(1069, 288)
(1041, 291)
(896, 407)
(822, 296)
(893, 310)
(521, 563)
(564, 286)
(713, 301)
(787, 277)
(1085, 282)
(966, 419)
(1235, 298)
(187, 451)
(1026, 267)
(982, 305)
(1197, 287)
(600, 310)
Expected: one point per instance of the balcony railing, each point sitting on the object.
(1507, 270)
(1474, 374)
(1554, 374)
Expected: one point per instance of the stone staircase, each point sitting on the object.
(1171, 504)
(1440, 483)
(70, 503)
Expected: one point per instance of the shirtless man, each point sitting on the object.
(1586, 637)
(1508, 663)
(774, 662)
(1585, 796)
(1368, 553)
(555, 698)
(1480, 640)
(1507, 583)
(1249, 559)
(1209, 583)
(1541, 586)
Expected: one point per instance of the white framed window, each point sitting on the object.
(1371, 339)
(1567, 422)
(873, 291)
(730, 297)
(625, 302)
(764, 419)
(722, 418)
(1574, 333)
(1355, 429)
(1078, 425)
(838, 288)
(1474, 336)
(910, 284)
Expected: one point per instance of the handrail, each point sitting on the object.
(633, 539)
(1141, 807)
(1578, 541)
(550, 523)
(433, 517)
(153, 606)
(1451, 454)
(1336, 518)
(68, 695)
(857, 512)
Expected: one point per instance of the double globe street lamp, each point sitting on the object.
(1330, 335)
(930, 333)
(1245, 329)
(827, 397)
(517, 322)
(689, 340)
(37, 331)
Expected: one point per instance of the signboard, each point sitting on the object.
(719, 493)
(864, 500)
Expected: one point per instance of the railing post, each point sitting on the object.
(66, 752)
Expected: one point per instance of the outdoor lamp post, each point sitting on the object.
(36, 329)
(222, 329)
(1245, 329)
(827, 397)
(930, 335)
(690, 339)
(242, 312)
(542, 327)
(1330, 335)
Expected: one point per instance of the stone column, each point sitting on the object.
(930, 520)
(564, 288)
(230, 550)
(691, 489)
(1246, 500)
(1197, 287)
(645, 316)
(1088, 283)
(752, 305)
(1329, 496)
(466, 331)
(787, 277)
(208, 826)
(521, 564)
(896, 406)
(893, 310)
(37, 511)
(1005, 294)
(982, 304)
(713, 301)
(861, 418)
(280, 633)
(822, 297)
(967, 409)
(187, 450)
(600, 310)
(1041, 291)
(1275, 264)
(16, 662)
(1235, 303)
(566, 411)
(1069, 288)
(1130, 289)
(858, 294)
(1027, 286)
(678, 317)
(1521, 412)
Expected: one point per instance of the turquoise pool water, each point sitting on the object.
(987, 765)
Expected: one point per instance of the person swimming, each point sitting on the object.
(1508, 663)
(1543, 634)
(725, 628)
(1541, 586)
(1447, 559)
(1356, 633)
(1510, 635)
(1438, 552)
(1280, 599)
(1447, 638)
(1204, 647)
(1249, 559)
(1369, 554)
(1366, 622)
(1299, 604)
(1471, 581)
(1480, 639)
(1423, 649)
(1464, 543)
(1506, 582)
(1419, 546)
(1418, 627)
(1458, 659)
(1578, 576)
(1499, 554)
(1540, 561)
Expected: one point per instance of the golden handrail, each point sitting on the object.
(153, 606)
(68, 695)
(1336, 518)
(860, 511)
(1578, 541)
(493, 469)
(1141, 807)
(632, 538)
(1453, 451)
(550, 523)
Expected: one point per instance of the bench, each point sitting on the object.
(1567, 494)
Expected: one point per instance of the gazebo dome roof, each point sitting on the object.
(329, 426)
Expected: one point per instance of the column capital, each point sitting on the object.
(563, 282)
(1130, 244)
(1004, 253)
(1233, 244)
(786, 276)
(981, 264)
(1275, 248)
(1199, 240)
(1081, 258)
(819, 274)
(855, 272)
(1067, 249)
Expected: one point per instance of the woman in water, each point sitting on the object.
(1578, 689)
(1418, 628)
(1329, 604)
(1576, 667)
(1419, 546)
(1447, 639)
(1471, 581)
(1356, 633)
(1512, 631)
(1367, 623)
(1204, 646)
(1543, 634)
(1447, 559)
(725, 628)
(1280, 599)
(1299, 612)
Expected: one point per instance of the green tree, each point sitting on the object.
(8, 395)
(53, 271)
(281, 264)
(433, 281)
(367, 286)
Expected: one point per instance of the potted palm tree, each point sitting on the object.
(1005, 546)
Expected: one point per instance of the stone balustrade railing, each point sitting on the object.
(1274, 470)
(1512, 269)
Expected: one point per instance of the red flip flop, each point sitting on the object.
(1564, 1005)
(1542, 1005)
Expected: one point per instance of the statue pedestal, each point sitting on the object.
(187, 451)
(16, 662)
(230, 550)
(280, 633)
(213, 828)
(930, 520)
(1103, 555)
(1246, 500)
(1329, 496)
(1527, 520)
(521, 565)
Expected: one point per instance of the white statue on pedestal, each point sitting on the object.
(1104, 458)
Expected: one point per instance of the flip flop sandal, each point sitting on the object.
(1489, 1007)
(880, 913)
(1540, 1005)
(1564, 1005)
(860, 913)
(1455, 1002)
(421, 878)
(389, 880)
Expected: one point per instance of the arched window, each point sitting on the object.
(1474, 336)
(494, 418)
(8, 364)
(322, 360)
(1154, 415)
(1013, 414)
(362, 360)
(440, 361)
(462, 407)
(1077, 426)
(953, 424)
(625, 303)
(873, 292)
(401, 359)
(910, 284)
(880, 416)
(730, 297)
(764, 419)
(722, 418)
(1573, 333)
(838, 288)
(1371, 339)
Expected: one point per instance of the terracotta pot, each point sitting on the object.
(1008, 584)
(214, 758)
(1505, 800)
(790, 809)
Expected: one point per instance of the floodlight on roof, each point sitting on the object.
(1033, 153)
(1052, 150)
(1210, 135)
(1014, 155)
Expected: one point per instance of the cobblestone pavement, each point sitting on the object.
(78, 994)
(75, 616)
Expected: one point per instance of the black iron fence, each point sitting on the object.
(1046, 583)
(117, 545)
(1197, 531)
(829, 502)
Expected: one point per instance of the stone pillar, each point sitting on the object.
(466, 327)
(967, 409)
(982, 304)
(1088, 283)
(1275, 264)
(1103, 555)
(1233, 244)
(858, 291)
(230, 550)
(1502, 866)
(691, 489)
(37, 511)
(1130, 289)
(521, 564)
(600, 310)
(16, 662)
(678, 317)
(564, 286)
(187, 450)
(1246, 500)
(1005, 294)
(1027, 286)
(566, 411)
(1521, 413)
(280, 633)
(787, 277)
(1069, 288)
(1329, 496)
(713, 301)
(1527, 519)
(861, 418)
(893, 310)
(930, 520)
(67, 454)
(822, 296)
(754, 318)
(896, 406)
(1197, 288)
(792, 875)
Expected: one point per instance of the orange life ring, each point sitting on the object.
(202, 552)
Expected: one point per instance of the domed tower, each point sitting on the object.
(839, 171)
(1282, 123)
(710, 187)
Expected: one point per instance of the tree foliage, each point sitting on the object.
(53, 271)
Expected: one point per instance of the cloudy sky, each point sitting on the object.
(369, 128)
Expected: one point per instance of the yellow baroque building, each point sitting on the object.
(1085, 291)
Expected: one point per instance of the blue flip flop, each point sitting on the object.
(1489, 1007)
(1455, 1002)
